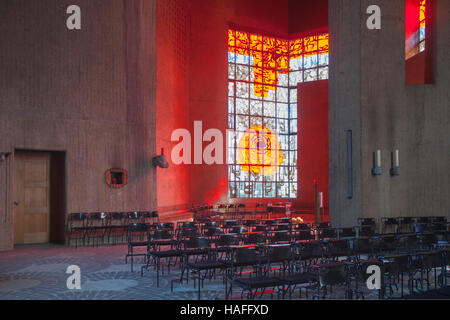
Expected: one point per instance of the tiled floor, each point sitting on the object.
(40, 273)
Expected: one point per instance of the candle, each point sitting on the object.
(396, 159)
(320, 199)
(162, 151)
(378, 159)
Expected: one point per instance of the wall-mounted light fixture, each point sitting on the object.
(395, 165)
(160, 161)
(376, 170)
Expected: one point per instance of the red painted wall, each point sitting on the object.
(312, 142)
(308, 16)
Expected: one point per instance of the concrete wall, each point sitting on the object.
(90, 93)
(368, 94)
(344, 109)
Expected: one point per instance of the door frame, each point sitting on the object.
(58, 193)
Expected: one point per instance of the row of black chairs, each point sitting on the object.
(403, 224)
(181, 248)
(314, 264)
(98, 227)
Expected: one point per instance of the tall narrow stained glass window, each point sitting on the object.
(263, 74)
(415, 27)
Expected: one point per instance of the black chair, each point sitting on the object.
(163, 226)
(281, 256)
(424, 220)
(151, 217)
(283, 227)
(301, 227)
(389, 225)
(336, 249)
(311, 251)
(427, 262)
(212, 232)
(405, 225)
(387, 244)
(76, 228)
(363, 246)
(138, 236)
(347, 232)
(329, 275)
(255, 238)
(395, 267)
(204, 269)
(367, 222)
(367, 231)
(117, 227)
(159, 239)
(303, 236)
(98, 226)
(251, 286)
(281, 237)
(358, 273)
(329, 233)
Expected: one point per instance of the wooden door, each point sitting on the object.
(32, 197)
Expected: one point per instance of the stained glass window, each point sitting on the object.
(416, 42)
(263, 74)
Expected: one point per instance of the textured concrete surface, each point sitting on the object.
(88, 92)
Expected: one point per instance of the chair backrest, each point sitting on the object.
(311, 250)
(210, 224)
(98, 218)
(230, 223)
(188, 233)
(423, 220)
(421, 227)
(439, 219)
(261, 227)
(398, 264)
(137, 232)
(432, 259)
(162, 234)
(338, 248)
(255, 238)
(134, 216)
(366, 231)
(117, 218)
(196, 243)
(246, 256)
(212, 231)
(347, 232)
(303, 226)
(303, 235)
(281, 236)
(226, 240)
(279, 253)
(164, 225)
(366, 222)
(363, 246)
(328, 233)
(237, 230)
(250, 223)
(283, 226)
(77, 220)
(336, 273)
